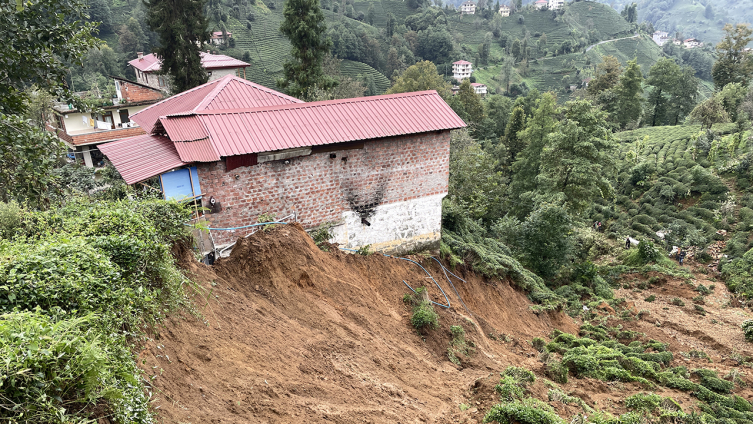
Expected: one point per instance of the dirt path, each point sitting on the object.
(609, 41)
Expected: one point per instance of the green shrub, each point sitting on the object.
(424, 316)
(527, 411)
(520, 374)
(538, 344)
(458, 345)
(321, 235)
(710, 380)
(650, 298)
(509, 389)
(11, 216)
(556, 371)
(646, 402)
(747, 327)
(53, 369)
(677, 301)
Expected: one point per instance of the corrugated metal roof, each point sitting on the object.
(462, 62)
(150, 63)
(197, 151)
(237, 132)
(141, 157)
(228, 92)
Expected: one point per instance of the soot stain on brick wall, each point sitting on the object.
(364, 201)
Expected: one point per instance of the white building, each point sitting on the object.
(217, 66)
(504, 10)
(660, 37)
(540, 4)
(555, 4)
(479, 88)
(468, 8)
(218, 39)
(461, 70)
(692, 43)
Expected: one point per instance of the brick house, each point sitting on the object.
(216, 65)
(376, 167)
(82, 131)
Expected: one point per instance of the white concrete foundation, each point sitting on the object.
(395, 227)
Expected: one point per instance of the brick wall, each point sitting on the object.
(102, 136)
(319, 188)
(133, 93)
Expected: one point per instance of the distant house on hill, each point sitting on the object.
(216, 65)
(540, 4)
(479, 88)
(376, 166)
(468, 8)
(661, 37)
(218, 39)
(691, 43)
(555, 4)
(504, 10)
(462, 69)
(83, 131)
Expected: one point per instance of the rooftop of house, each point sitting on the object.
(218, 34)
(477, 84)
(208, 134)
(228, 92)
(468, 3)
(542, 2)
(461, 62)
(150, 63)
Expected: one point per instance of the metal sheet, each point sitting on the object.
(141, 157)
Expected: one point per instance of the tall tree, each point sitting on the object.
(419, 77)
(182, 28)
(527, 165)
(673, 92)
(515, 125)
(38, 38)
(710, 112)
(471, 102)
(629, 94)
(305, 28)
(733, 63)
(577, 162)
(607, 75)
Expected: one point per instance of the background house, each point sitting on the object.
(468, 8)
(216, 65)
(82, 131)
(540, 4)
(217, 38)
(660, 37)
(479, 88)
(504, 10)
(377, 167)
(556, 4)
(462, 69)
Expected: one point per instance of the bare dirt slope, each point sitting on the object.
(290, 333)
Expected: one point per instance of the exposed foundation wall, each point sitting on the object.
(385, 192)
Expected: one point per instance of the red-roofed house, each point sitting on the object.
(82, 131)
(462, 69)
(216, 65)
(218, 39)
(540, 4)
(377, 167)
(479, 88)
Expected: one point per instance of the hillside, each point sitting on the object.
(692, 19)
(352, 356)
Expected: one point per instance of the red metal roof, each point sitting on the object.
(228, 92)
(141, 157)
(265, 129)
(461, 62)
(150, 63)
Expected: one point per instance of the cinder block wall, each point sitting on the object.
(386, 193)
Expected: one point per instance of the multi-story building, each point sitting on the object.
(468, 8)
(556, 4)
(461, 70)
(660, 37)
(504, 10)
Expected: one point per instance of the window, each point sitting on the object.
(161, 80)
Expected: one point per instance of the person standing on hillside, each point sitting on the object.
(627, 243)
(680, 255)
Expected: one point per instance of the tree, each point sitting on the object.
(434, 44)
(577, 161)
(506, 72)
(542, 42)
(515, 125)
(734, 64)
(419, 77)
(709, 113)
(516, 50)
(305, 28)
(40, 38)
(346, 87)
(182, 28)
(629, 94)
(673, 94)
(390, 27)
(630, 13)
(370, 14)
(99, 11)
(527, 165)
(709, 12)
(471, 102)
(607, 75)
(732, 96)
(484, 49)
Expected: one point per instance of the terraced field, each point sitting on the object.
(358, 70)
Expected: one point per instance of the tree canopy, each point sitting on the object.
(733, 63)
(182, 28)
(304, 26)
(419, 77)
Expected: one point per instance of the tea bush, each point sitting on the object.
(526, 411)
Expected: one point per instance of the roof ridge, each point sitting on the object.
(307, 104)
(178, 95)
(222, 83)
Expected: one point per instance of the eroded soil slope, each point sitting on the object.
(290, 333)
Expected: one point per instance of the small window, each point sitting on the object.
(161, 80)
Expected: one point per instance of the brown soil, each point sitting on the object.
(285, 332)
